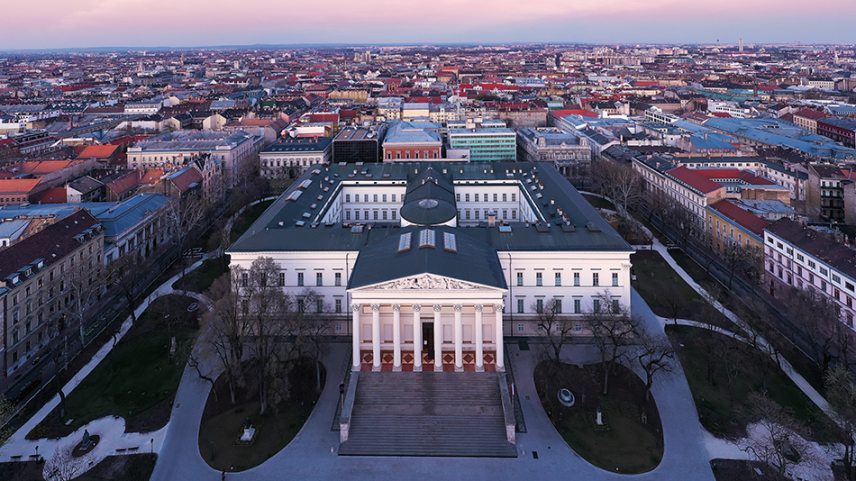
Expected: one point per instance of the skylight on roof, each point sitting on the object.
(450, 244)
(404, 242)
(426, 238)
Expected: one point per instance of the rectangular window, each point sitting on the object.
(319, 279)
(577, 306)
(520, 306)
(539, 305)
(539, 279)
(245, 279)
(299, 279)
(614, 279)
(301, 305)
(615, 306)
(338, 279)
(319, 305)
(519, 279)
(558, 281)
(596, 305)
(338, 303)
(557, 306)
(595, 279)
(281, 279)
(576, 279)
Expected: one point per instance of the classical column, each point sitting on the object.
(375, 337)
(355, 331)
(459, 340)
(479, 339)
(438, 339)
(396, 337)
(500, 348)
(417, 338)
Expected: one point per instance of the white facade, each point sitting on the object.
(537, 266)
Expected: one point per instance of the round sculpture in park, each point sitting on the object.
(566, 397)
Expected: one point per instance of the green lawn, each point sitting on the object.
(667, 294)
(804, 365)
(599, 202)
(721, 387)
(246, 219)
(203, 276)
(625, 444)
(139, 377)
(223, 422)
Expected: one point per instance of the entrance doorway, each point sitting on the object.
(428, 339)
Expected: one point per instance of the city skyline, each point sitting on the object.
(104, 24)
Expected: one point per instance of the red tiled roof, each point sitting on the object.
(18, 186)
(51, 244)
(125, 183)
(566, 112)
(43, 167)
(809, 114)
(99, 151)
(694, 180)
(748, 220)
(54, 195)
(151, 176)
(185, 180)
(734, 174)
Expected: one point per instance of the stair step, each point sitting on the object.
(427, 414)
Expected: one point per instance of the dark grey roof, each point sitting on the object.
(430, 199)
(568, 221)
(471, 259)
(317, 144)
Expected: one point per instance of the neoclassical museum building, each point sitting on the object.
(430, 265)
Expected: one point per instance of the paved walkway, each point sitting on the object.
(786, 366)
(111, 429)
(312, 453)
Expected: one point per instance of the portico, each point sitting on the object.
(427, 319)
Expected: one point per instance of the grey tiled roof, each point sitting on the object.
(567, 222)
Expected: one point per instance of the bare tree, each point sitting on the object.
(225, 327)
(556, 328)
(819, 318)
(6, 411)
(184, 216)
(268, 307)
(841, 394)
(777, 443)
(655, 355)
(64, 466)
(619, 182)
(124, 275)
(311, 327)
(613, 329)
(84, 286)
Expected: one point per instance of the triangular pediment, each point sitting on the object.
(426, 281)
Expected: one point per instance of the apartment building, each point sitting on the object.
(41, 277)
(796, 256)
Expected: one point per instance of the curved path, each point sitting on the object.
(111, 429)
(312, 453)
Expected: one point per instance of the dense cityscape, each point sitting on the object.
(528, 261)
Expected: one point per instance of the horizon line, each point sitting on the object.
(307, 45)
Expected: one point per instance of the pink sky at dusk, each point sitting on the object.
(82, 23)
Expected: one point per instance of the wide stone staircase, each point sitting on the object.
(427, 414)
